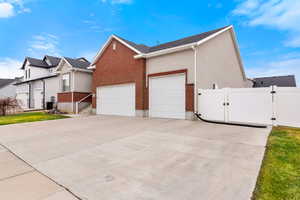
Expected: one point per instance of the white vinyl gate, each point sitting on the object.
(266, 106)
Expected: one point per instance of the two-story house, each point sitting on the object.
(53, 81)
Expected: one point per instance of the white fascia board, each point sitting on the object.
(82, 70)
(105, 46)
(182, 47)
(92, 67)
(165, 51)
(238, 53)
(59, 64)
(68, 63)
(213, 35)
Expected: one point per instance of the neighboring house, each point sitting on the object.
(7, 88)
(280, 81)
(44, 79)
(162, 81)
(76, 84)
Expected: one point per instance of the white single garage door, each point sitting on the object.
(167, 96)
(116, 100)
(38, 98)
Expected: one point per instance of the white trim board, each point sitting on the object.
(100, 52)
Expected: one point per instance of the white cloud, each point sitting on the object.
(44, 44)
(9, 8)
(6, 10)
(279, 14)
(10, 68)
(246, 7)
(277, 68)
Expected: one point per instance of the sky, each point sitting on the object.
(268, 31)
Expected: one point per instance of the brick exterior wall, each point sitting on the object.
(117, 67)
(67, 97)
(189, 99)
(64, 97)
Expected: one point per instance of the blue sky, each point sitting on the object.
(268, 31)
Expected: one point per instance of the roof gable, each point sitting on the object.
(52, 62)
(78, 63)
(127, 43)
(142, 49)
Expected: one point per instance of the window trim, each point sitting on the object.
(69, 82)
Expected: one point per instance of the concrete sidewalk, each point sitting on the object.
(120, 158)
(19, 181)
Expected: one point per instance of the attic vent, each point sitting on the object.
(114, 46)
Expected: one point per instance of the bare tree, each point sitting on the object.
(7, 104)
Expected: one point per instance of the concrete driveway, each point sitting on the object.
(119, 158)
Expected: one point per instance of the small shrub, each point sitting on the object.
(8, 104)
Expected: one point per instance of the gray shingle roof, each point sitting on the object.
(188, 40)
(54, 60)
(37, 62)
(280, 81)
(140, 47)
(4, 82)
(35, 79)
(78, 63)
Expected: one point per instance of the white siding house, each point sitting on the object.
(42, 81)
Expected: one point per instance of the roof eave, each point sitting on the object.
(165, 51)
(182, 47)
(92, 67)
(81, 70)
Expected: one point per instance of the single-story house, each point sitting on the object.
(280, 81)
(162, 81)
(7, 88)
(54, 81)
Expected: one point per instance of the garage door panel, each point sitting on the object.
(167, 96)
(116, 100)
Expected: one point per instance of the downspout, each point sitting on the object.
(29, 95)
(73, 86)
(195, 80)
(44, 95)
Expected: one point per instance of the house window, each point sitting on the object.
(66, 82)
(28, 73)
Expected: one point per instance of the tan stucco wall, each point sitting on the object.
(171, 62)
(217, 63)
(83, 81)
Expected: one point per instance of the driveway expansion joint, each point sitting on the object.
(35, 169)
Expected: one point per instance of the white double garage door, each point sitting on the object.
(166, 98)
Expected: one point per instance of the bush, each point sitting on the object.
(8, 104)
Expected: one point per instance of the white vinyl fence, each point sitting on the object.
(265, 106)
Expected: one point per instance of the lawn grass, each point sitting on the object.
(280, 174)
(28, 117)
